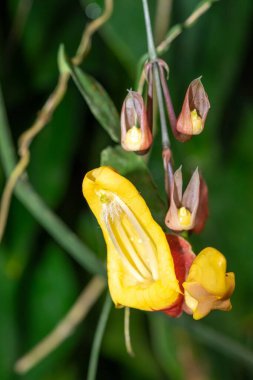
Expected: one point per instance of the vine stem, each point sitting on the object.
(46, 113)
(153, 56)
(65, 328)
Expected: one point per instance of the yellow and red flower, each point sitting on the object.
(148, 270)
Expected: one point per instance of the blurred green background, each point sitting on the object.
(38, 280)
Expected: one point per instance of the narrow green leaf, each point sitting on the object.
(134, 168)
(97, 99)
(99, 102)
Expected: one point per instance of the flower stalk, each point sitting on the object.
(153, 57)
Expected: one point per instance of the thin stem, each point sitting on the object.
(174, 32)
(153, 57)
(65, 327)
(177, 29)
(7, 151)
(8, 190)
(164, 130)
(92, 370)
(151, 44)
(127, 332)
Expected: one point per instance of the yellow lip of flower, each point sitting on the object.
(184, 217)
(197, 124)
(133, 138)
(140, 266)
(208, 286)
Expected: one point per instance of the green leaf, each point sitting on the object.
(99, 102)
(97, 99)
(134, 168)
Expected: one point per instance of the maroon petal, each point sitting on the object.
(183, 257)
(202, 213)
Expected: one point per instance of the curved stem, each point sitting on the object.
(45, 115)
(92, 370)
(65, 327)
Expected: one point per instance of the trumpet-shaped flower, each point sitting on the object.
(140, 266)
(208, 286)
(147, 269)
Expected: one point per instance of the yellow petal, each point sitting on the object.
(140, 266)
(209, 270)
(208, 286)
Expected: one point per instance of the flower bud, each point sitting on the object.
(136, 135)
(196, 105)
(183, 206)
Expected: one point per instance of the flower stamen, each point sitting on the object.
(133, 244)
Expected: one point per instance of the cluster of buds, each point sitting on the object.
(136, 117)
(188, 210)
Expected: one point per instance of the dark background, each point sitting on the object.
(38, 280)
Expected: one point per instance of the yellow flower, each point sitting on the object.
(208, 286)
(140, 266)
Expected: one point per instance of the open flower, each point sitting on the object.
(140, 266)
(187, 210)
(196, 105)
(208, 286)
(147, 269)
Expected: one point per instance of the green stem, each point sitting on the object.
(7, 152)
(41, 212)
(153, 57)
(175, 31)
(93, 363)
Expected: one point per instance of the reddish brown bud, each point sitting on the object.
(188, 210)
(196, 105)
(136, 135)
